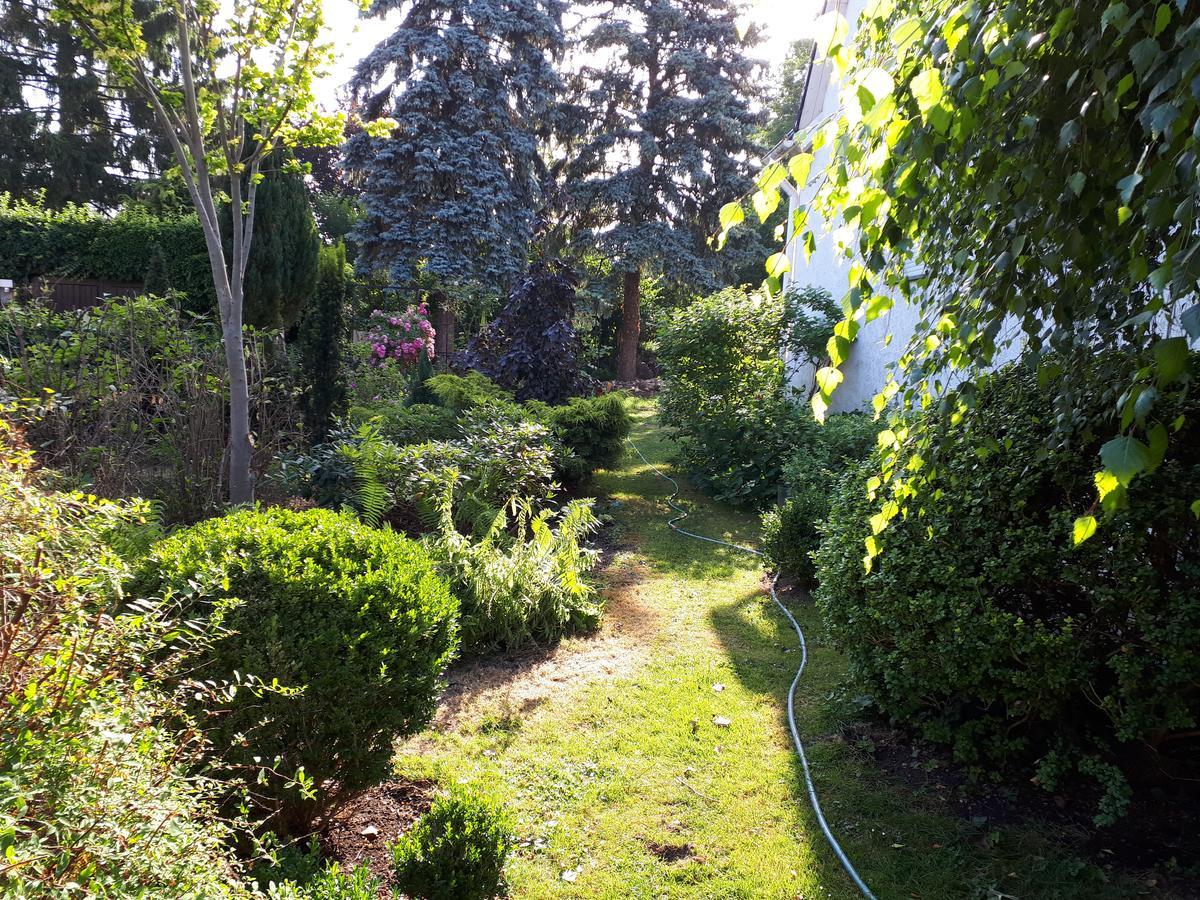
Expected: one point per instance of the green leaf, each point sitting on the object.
(1085, 527)
(927, 89)
(828, 379)
(732, 215)
(1128, 185)
(1125, 457)
(1170, 359)
(1076, 183)
(1196, 509)
(1144, 54)
(1191, 322)
(777, 264)
(800, 165)
(1162, 18)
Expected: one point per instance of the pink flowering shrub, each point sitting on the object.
(400, 337)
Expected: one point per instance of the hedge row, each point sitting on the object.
(79, 243)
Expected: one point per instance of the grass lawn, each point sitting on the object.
(624, 786)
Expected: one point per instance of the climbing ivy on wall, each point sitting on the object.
(1036, 165)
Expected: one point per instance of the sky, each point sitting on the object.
(789, 20)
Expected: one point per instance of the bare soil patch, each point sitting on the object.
(364, 830)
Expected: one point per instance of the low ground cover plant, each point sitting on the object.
(457, 850)
(980, 625)
(349, 629)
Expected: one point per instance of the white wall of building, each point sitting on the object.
(871, 353)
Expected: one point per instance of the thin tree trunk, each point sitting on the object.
(241, 481)
(631, 327)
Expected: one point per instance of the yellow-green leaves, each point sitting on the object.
(1085, 527)
(799, 167)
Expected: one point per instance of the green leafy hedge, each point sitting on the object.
(80, 243)
(981, 625)
(723, 390)
(353, 622)
(790, 531)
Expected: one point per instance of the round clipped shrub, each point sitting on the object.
(353, 622)
(457, 850)
(982, 625)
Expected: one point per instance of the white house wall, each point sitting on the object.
(871, 354)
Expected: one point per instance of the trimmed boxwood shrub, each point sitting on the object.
(981, 625)
(457, 850)
(356, 618)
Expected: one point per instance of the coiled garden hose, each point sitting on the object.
(673, 524)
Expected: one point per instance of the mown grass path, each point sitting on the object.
(624, 784)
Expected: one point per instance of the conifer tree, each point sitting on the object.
(451, 194)
(79, 135)
(282, 271)
(670, 140)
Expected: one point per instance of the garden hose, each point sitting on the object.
(673, 524)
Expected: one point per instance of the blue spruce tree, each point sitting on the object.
(668, 92)
(452, 193)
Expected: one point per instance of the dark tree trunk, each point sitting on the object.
(631, 327)
(443, 326)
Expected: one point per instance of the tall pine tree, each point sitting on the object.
(68, 130)
(452, 193)
(670, 89)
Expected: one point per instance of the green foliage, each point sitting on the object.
(821, 455)
(723, 390)
(463, 392)
(1034, 162)
(297, 590)
(138, 398)
(980, 624)
(321, 342)
(331, 883)
(522, 581)
(78, 242)
(100, 792)
(403, 425)
(285, 254)
(785, 103)
(457, 850)
(594, 429)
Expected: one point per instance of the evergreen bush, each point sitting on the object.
(981, 626)
(321, 341)
(353, 623)
(594, 429)
(457, 850)
(723, 390)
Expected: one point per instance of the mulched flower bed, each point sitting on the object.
(364, 830)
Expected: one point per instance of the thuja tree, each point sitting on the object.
(670, 86)
(450, 194)
(1036, 164)
(283, 264)
(241, 87)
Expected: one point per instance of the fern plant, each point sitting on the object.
(371, 495)
(524, 579)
